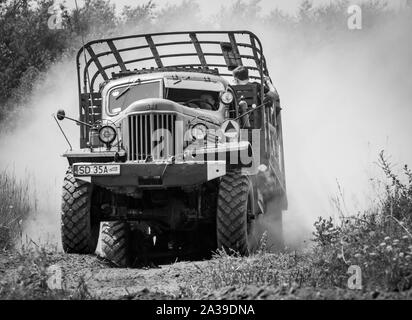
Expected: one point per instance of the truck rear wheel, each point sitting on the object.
(115, 243)
(80, 232)
(234, 213)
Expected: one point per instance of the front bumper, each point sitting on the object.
(155, 174)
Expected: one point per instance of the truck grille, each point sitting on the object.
(151, 135)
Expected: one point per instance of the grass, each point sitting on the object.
(262, 269)
(33, 279)
(31, 263)
(16, 203)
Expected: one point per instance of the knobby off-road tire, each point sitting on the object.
(115, 243)
(233, 225)
(79, 232)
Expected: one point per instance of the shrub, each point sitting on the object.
(380, 242)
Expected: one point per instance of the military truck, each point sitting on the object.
(165, 164)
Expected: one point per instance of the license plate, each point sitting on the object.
(97, 170)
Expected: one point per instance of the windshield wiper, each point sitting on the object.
(128, 88)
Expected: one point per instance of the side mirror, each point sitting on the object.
(61, 114)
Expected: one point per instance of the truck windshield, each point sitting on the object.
(121, 97)
(206, 100)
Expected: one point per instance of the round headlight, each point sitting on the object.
(199, 131)
(107, 134)
(226, 97)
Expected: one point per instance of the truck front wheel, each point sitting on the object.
(234, 217)
(80, 231)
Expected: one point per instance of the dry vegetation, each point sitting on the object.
(30, 277)
(16, 202)
(378, 241)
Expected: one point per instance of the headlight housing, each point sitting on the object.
(107, 134)
(226, 97)
(199, 131)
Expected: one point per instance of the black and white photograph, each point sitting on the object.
(207, 156)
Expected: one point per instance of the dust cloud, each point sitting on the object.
(34, 147)
(345, 95)
(344, 100)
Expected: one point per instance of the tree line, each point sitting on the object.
(28, 45)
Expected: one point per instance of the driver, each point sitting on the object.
(241, 77)
(210, 101)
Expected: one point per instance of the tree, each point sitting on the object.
(26, 41)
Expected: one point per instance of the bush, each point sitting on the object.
(380, 242)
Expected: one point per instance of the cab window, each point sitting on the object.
(121, 97)
(201, 99)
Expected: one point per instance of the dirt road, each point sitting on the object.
(106, 282)
(103, 281)
(167, 281)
